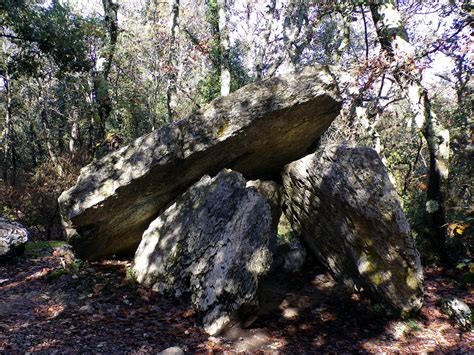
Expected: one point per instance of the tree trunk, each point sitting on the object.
(171, 92)
(49, 144)
(292, 26)
(101, 74)
(394, 40)
(7, 135)
(111, 24)
(264, 39)
(345, 11)
(90, 112)
(74, 135)
(224, 47)
(34, 151)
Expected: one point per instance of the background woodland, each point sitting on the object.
(82, 78)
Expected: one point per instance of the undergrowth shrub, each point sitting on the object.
(33, 201)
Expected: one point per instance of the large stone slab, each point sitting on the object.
(255, 130)
(344, 206)
(211, 246)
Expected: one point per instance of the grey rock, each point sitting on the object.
(210, 246)
(459, 312)
(174, 350)
(272, 192)
(13, 237)
(255, 130)
(290, 254)
(86, 309)
(342, 203)
(293, 256)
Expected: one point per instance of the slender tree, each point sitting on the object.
(173, 49)
(295, 19)
(104, 64)
(224, 47)
(8, 132)
(394, 40)
(260, 59)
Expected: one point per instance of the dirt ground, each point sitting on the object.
(97, 307)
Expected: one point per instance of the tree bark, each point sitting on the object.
(171, 91)
(74, 135)
(264, 39)
(101, 75)
(49, 143)
(224, 47)
(295, 18)
(8, 132)
(111, 24)
(394, 40)
(345, 11)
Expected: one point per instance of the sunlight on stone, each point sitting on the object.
(259, 262)
(290, 313)
(217, 324)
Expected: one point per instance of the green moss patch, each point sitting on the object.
(42, 248)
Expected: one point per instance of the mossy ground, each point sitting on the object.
(42, 248)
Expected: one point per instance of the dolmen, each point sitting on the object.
(198, 202)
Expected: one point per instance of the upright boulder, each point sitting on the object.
(211, 246)
(13, 237)
(344, 206)
(255, 130)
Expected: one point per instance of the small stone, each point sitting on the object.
(290, 313)
(459, 312)
(86, 309)
(172, 351)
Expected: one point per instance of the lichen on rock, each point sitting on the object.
(13, 237)
(256, 130)
(343, 204)
(211, 247)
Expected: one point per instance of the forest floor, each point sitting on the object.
(97, 307)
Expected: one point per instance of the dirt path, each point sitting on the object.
(97, 308)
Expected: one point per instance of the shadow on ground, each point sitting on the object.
(98, 308)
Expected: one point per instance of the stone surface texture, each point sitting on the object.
(211, 246)
(459, 312)
(13, 237)
(174, 350)
(256, 130)
(342, 203)
(272, 192)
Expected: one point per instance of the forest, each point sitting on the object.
(199, 176)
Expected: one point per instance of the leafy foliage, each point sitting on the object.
(53, 54)
(41, 30)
